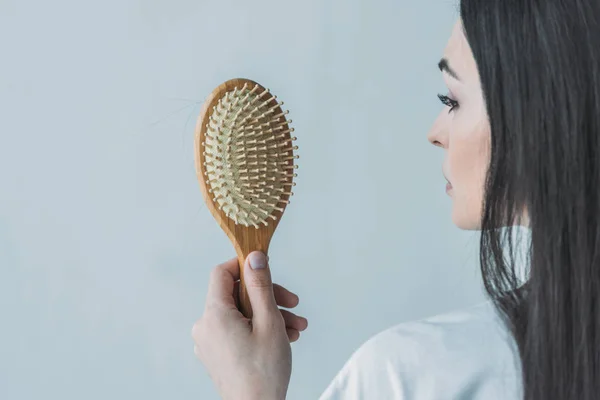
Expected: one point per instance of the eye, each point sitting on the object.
(447, 101)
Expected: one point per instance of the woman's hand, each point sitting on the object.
(248, 359)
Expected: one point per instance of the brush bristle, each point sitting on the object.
(249, 156)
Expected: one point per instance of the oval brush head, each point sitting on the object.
(244, 157)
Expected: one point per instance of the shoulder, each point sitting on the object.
(467, 353)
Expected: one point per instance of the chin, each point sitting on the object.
(464, 221)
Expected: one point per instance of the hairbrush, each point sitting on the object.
(244, 157)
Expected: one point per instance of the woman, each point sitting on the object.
(521, 136)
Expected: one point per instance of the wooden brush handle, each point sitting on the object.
(244, 301)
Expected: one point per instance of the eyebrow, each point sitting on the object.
(443, 66)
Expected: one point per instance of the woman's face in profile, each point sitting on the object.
(462, 129)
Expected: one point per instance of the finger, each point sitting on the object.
(284, 297)
(257, 277)
(293, 334)
(236, 293)
(221, 284)
(294, 321)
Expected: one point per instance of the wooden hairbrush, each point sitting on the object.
(244, 159)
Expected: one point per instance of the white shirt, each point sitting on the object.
(465, 354)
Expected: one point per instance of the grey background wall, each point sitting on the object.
(105, 244)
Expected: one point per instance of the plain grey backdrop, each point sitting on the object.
(105, 243)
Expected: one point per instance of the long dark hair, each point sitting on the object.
(539, 65)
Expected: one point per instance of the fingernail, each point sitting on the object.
(257, 260)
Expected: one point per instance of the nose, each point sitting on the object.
(438, 134)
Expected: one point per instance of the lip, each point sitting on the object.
(448, 184)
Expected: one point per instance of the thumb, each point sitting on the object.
(259, 285)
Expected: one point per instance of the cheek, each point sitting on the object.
(468, 152)
(467, 163)
(468, 157)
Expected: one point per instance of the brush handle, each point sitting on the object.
(244, 301)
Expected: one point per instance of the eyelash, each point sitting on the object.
(447, 101)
